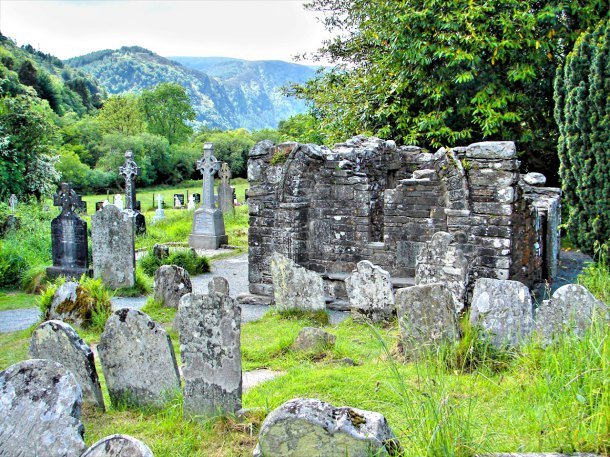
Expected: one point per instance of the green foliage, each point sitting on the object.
(437, 73)
(596, 277)
(46, 296)
(167, 109)
(582, 112)
(122, 114)
(184, 258)
(303, 128)
(279, 158)
(232, 146)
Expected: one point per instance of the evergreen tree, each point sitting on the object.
(582, 112)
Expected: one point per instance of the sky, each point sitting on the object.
(246, 29)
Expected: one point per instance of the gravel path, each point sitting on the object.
(235, 270)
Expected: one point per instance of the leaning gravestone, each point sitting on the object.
(571, 307)
(138, 359)
(219, 285)
(504, 309)
(295, 287)
(308, 427)
(40, 403)
(369, 289)
(72, 304)
(129, 170)
(208, 223)
(426, 314)
(68, 237)
(118, 446)
(112, 243)
(225, 191)
(171, 283)
(209, 327)
(56, 340)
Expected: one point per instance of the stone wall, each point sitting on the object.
(367, 199)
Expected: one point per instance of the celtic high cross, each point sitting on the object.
(67, 199)
(208, 165)
(129, 170)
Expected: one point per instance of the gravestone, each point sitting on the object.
(72, 304)
(504, 309)
(572, 308)
(118, 446)
(138, 359)
(40, 406)
(112, 243)
(159, 212)
(295, 287)
(308, 427)
(170, 284)
(129, 170)
(426, 314)
(12, 202)
(197, 198)
(209, 328)
(370, 293)
(99, 206)
(178, 201)
(68, 237)
(12, 222)
(208, 223)
(118, 202)
(313, 339)
(218, 285)
(225, 191)
(56, 340)
(191, 203)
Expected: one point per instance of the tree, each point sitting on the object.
(446, 72)
(232, 146)
(122, 114)
(303, 128)
(28, 140)
(167, 109)
(582, 93)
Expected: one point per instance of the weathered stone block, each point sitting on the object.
(71, 303)
(370, 293)
(40, 403)
(209, 327)
(294, 287)
(118, 446)
(170, 284)
(56, 340)
(138, 359)
(504, 309)
(308, 427)
(313, 339)
(218, 285)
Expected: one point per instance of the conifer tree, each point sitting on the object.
(582, 112)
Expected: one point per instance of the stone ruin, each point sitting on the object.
(368, 199)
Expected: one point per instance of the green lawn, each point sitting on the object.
(14, 299)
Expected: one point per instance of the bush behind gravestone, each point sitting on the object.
(186, 259)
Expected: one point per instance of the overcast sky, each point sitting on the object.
(247, 29)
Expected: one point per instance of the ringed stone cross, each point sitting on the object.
(225, 173)
(67, 199)
(208, 165)
(129, 170)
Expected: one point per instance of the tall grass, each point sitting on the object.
(596, 276)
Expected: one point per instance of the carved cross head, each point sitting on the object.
(129, 170)
(208, 164)
(225, 173)
(67, 199)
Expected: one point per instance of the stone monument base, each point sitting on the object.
(76, 273)
(207, 241)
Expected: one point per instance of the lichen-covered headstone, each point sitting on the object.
(308, 427)
(571, 307)
(313, 339)
(504, 309)
(71, 303)
(370, 293)
(118, 446)
(40, 403)
(138, 359)
(113, 247)
(426, 314)
(225, 191)
(219, 285)
(171, 283)
(56, 340)
(210, 327)
(295, 287)
(442, 260)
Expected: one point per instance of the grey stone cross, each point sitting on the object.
(67, 199)
(12, 201)
(208, 165)
(225, 173)
(129, 170)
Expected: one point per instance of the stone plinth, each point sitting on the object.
(208, 229)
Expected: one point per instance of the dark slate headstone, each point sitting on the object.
(140, 223)
(197, 198)
(40, 402)
(138, 206)
(68, 236)
(99, 206)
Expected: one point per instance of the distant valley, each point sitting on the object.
(226, 93)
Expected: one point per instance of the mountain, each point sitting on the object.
(225, 93)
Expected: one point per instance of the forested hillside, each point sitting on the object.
(225, 93)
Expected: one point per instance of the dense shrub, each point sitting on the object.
(186, 259)
(582, 90)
